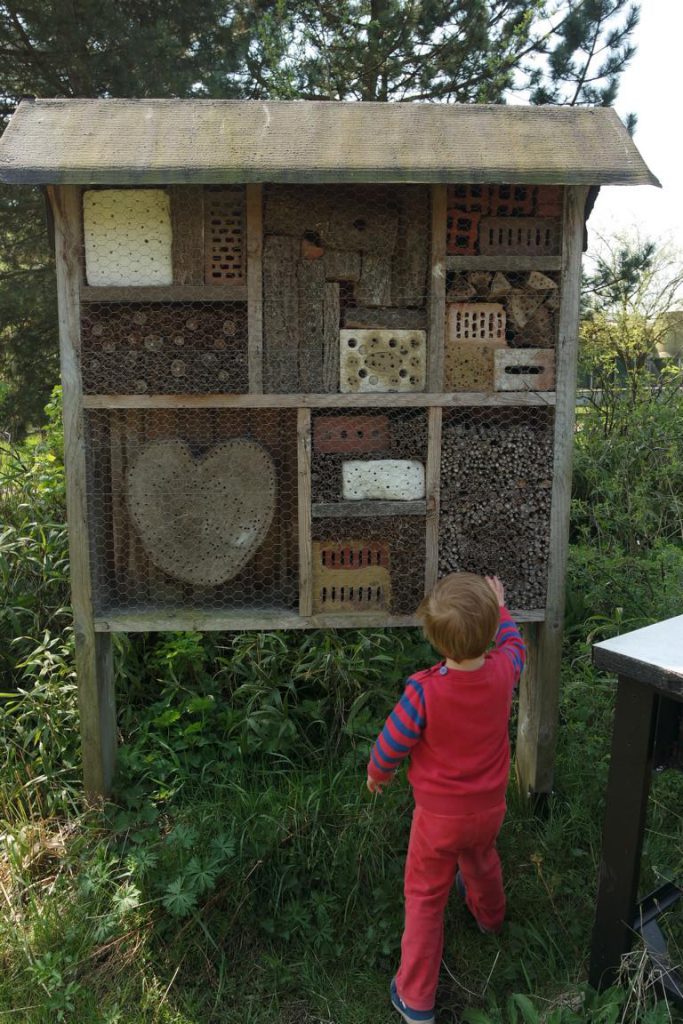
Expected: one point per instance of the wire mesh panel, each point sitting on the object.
(164, 348)
(488, 311)
(345, 436)
(496, 486)
(193, 508)
(337, 257)
(504, 219)
(198, 508)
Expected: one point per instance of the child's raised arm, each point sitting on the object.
(401, 732)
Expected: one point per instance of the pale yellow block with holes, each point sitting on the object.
(128, 237)
(374, 360)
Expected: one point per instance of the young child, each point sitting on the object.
(453, 721)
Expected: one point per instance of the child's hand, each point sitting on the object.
(497, 588)
(374, 786)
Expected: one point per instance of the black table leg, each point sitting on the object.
(627, 791)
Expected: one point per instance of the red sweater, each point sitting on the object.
(454, 725)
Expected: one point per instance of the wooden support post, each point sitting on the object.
(437, 291)
(303, 430)
(255, 286)
(432, 491)
(93, 651)
(539, 692)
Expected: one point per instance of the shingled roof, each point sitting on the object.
(140, 142)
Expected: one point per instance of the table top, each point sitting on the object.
(652, 655)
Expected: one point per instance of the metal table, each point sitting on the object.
(647, 724)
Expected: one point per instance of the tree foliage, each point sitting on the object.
(560, 51)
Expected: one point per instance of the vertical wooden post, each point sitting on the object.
(437, 290)
(432, 493)
(93, 650)
(540, 687)
(303, 430)
(255, 286)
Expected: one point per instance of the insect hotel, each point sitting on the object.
(315, 355)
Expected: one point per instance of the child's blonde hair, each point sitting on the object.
(460, 616)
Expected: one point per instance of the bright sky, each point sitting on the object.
(651, 88)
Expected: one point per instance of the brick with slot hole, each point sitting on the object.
(524, 369)
(476, 321)
(351, 434)
(352, 554)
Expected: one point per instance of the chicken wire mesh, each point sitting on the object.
(496, 488)
(198, 508)
(344, 257)
(193, 507)
(164, 348)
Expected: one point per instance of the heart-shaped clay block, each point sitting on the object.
(201, 520)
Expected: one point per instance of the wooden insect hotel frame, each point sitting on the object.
(315, 355)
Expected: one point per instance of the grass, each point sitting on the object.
(269, 891)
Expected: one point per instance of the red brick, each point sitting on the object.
(351, 434)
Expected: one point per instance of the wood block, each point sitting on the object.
(374, 286)
(342, 265)
(351, 434)
(311, 284)
(331, 318)
(411, 255)
(280, 314)
(385, 319)
(476, 321)
(382, 360)
(524, 369)
(468, 366)
(540, 282)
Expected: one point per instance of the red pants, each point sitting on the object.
(438, 846)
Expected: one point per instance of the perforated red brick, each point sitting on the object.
(469, 198)
(549, 201)
(538, 236)
(350, 555)
(462, 232)
(512, 200)
(224, 235)
(351, 434)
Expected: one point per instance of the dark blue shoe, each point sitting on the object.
(408, 1014)
(461, 890)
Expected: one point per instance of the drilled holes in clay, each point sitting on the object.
(382, 360)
